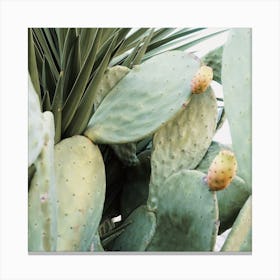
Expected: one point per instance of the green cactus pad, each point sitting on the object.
(187, 214)
(214, 60)
(230, 201)
(184, 140)
(240, 237)
(138, 234)
(42, 196)
(236, 79)
(136, 185)
(212, 152)
(35, 124)
(80, 178)
(111, 77)
(232, 198)
(126, 153)
(147, 97)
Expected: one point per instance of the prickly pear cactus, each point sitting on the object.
(187, 214)
(135, 189)
(42, 231)
(150, 94)
(126, 153)
(214, 60)
(240, 237)
(232, 198)
(212, 152)
(111, 77)
(202, 79)
(154, 125)
(35, 124)
(80, 181)
(137, 236)
(221, 171)
(236, 79)
(183, 141)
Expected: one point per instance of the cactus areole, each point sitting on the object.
(221, 171)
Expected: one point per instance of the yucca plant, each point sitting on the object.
(72, 70)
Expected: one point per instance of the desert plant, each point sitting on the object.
(131, 136)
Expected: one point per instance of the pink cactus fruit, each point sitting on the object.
(202, 79)
(221, 171)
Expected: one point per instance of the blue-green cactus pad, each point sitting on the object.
(138, 234)
(187, 214)
(147, 97)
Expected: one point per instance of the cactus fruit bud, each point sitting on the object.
(221, 171)
(202, 79)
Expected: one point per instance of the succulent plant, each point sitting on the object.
(116, 129)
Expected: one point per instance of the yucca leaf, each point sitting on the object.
(37, 43)
(72, 101)
(132, 40)
(202, 38)
(75, 63)
(161, 33)
(46, 102)
(57, 107)
(122, 33)
(61, 35)
(88, 36)
(51, 43)
(84, 111)
(32, 65)
(46, 50)
(55, 40)
(179, 34)
(108, 33)
(68, 44)
(182, 43)
(39, 61)
(71, 70)
(129, 59)
(78, 31)
(141, 52)
(103, 49)
(48, 81)
(157, 42)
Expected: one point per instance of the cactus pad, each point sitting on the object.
(230, 201)
(236, 79)
(240, 237)
(146, 98)
(111, 77)
(138, 234)
(80, 178)
(214, 60)
(136, 185)
(42, 196)
(184, 140)
(187, 214)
